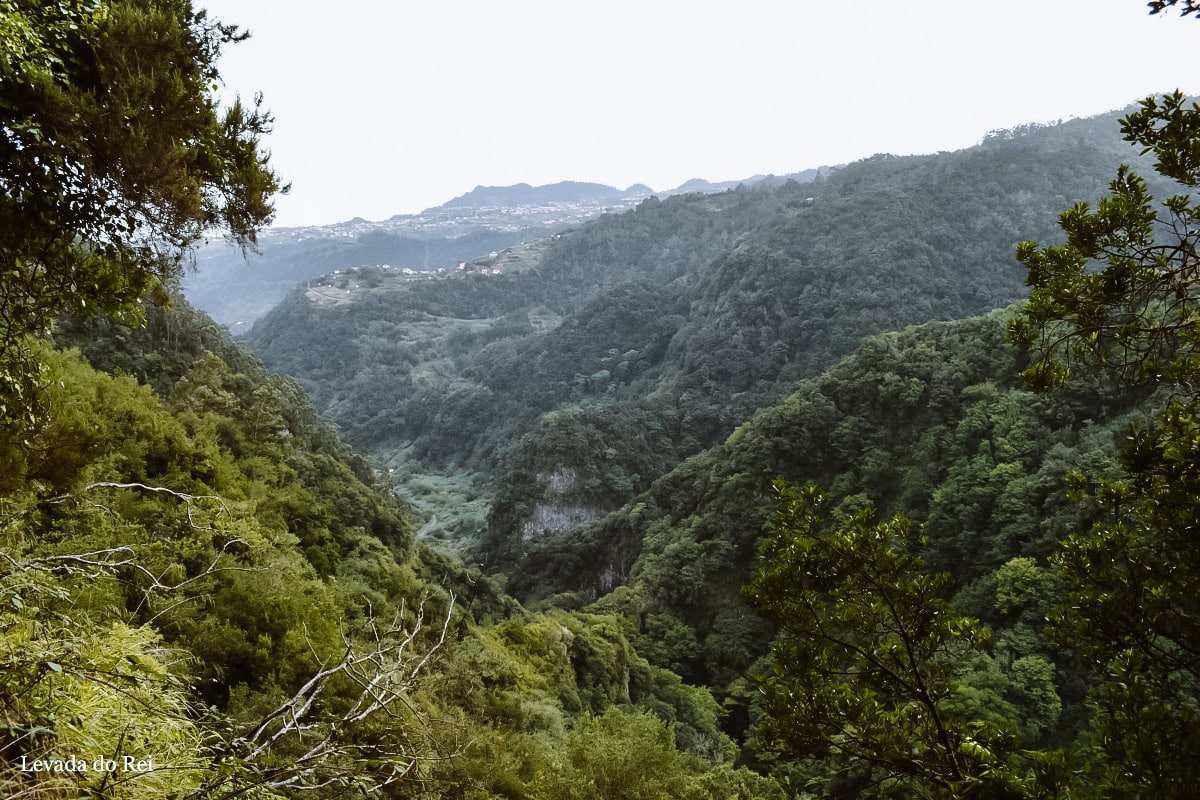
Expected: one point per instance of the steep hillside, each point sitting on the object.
(198, 575)
(385, 385)
(880, 245)
(931, 421)
(643, 337)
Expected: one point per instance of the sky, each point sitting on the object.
(389, 107)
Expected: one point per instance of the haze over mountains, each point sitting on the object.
(562, 193)
(237, 290)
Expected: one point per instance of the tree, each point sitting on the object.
(1133, 611)
(1188, 6)
(617, 755)
(369, 738)
(1138, 314)
(865, 665)
(114, 159)
(1123, 294)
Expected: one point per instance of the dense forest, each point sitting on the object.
(642, 338)
(780, 492)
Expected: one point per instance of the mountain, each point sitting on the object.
(931, 421)
(560, 387)
(562, 193)
(702, 186)
(237, 288)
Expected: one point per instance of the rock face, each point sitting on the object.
(550, 518)
(553, 518)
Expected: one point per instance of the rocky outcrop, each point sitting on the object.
(554, 518)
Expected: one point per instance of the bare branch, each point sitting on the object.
(385, 672)
(96, 564)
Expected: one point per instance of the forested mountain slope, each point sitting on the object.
(365, 363)
(932, 422)
(642, 337)
(184, 532)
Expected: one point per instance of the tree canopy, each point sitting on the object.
(1122, 295)
(1138, 314)
(1186, 7)
(865, 666)
(114, 158)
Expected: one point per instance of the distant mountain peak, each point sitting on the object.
(522, 194)
(693, 185)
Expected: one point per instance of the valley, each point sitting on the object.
(620, 348)
(567, 415)
(867, 482)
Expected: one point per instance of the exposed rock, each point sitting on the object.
(557, 519)
(559, 481)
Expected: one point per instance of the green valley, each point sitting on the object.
(876, 481)
(627, 345)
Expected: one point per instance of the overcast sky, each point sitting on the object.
(391, 106)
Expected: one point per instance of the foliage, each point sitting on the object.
(1188, 6)
(1129, 580)
(1131, 608)
(1137, 315)
(247, 560)
(152, 523)
(865, 666)
(617, 755)
(94, 691)
(114, 158)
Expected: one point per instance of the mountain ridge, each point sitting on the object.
(560, 192)
(237, 288)
(620, 347)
